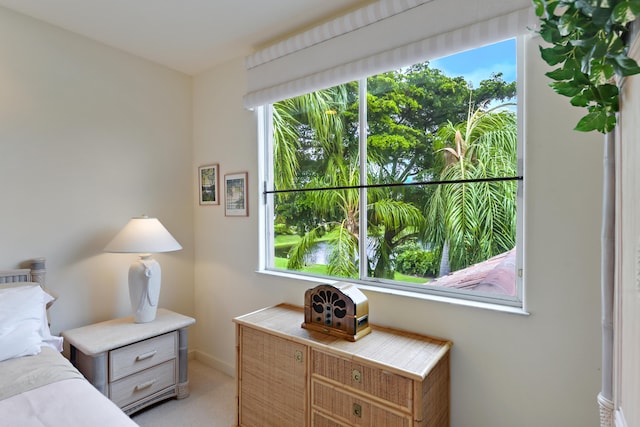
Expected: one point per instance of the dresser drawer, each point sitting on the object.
(143, 384)
(141, 355)
(320, 420)
(350, 409)
(387, 386)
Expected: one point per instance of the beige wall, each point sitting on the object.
(89, 137)
(507, 370)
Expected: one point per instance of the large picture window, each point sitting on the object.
(407, 179)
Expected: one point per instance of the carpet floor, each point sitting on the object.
(211, 402)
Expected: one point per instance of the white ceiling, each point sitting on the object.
(187, 35)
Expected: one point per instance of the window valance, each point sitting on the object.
(382, 36)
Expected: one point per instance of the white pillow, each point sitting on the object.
(23, 322)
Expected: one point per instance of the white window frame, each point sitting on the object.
(468, 298)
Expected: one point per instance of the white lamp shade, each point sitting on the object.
(143, 235)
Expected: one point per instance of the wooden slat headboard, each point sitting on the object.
(35, 273)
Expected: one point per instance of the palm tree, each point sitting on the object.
(390, 223)
(312, 117)
(313, 111)
(343, 206)
(475, 221)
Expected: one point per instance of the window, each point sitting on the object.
(433, 153)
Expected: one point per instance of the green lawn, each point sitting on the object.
(286, 240)
(291, 239)
(281, 263)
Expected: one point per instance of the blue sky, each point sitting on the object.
(478, 64)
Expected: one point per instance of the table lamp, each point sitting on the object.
(144, 236)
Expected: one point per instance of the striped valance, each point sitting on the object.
(383, 36)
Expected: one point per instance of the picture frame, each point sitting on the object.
(209, 184)
(236, 194)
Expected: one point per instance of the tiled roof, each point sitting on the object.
(496, 275)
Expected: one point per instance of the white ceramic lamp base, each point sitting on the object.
(144, 288)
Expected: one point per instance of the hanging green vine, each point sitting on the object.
(589, 41)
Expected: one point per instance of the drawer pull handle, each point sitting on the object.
(356, 376)
(144, 356)
(144, 385)
(298, 356)
(357, 410)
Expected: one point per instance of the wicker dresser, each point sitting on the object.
(288, 376)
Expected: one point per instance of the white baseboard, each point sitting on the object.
(213, 362)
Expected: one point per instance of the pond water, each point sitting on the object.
(319, 253)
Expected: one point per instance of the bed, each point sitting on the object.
(38, 386)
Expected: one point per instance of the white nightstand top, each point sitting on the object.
(104, 336)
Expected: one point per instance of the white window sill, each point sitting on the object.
(403, 293)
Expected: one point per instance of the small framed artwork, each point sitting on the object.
(235, 190)
(209, 182)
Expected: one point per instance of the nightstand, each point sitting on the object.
(134, 364)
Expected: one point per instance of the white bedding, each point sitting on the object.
(47, 391)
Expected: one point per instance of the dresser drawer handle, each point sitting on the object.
(146, 355)
(144, 385)
(357, 410)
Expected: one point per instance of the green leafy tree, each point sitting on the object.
(316, 139)
(391, 224)
(405, 109)
(301, 119)
(335, 210)
(344, 234)
(493, 89)
(472, 222)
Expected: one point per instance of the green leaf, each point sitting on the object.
(560, 74)
(614, 105)
(608, 91)
(625, 66)
(554, 55)
(585, 7)
(580, 78)
(566, 88)
(594, 93)
(600, 16)
(550, 33)
(601, 73)
(580, 101)
(595, 120)
(626, 11)
(610, 124)
(586, 43)
(539, 7)
(598, 49)
(550, 8)
(571, 64)
(567, 24)
(616, 47)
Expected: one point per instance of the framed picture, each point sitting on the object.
(209, 182)
(235, 190)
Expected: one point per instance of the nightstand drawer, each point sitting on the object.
(143, 384)
(376, 382)
(141, 355)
